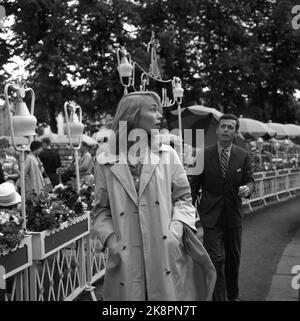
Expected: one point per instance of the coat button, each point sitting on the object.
(157, 202)
(168, 272)
(164, 237)
(122, 213)
(121, 283)
(124, 247)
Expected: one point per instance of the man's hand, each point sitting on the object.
(244, 191)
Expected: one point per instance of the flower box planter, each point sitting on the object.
(17, 259)
(48, 242)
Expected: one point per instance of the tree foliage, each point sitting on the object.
(237, 56)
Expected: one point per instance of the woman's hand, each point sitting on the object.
(112, 239)
(113, 246)
(176, 229)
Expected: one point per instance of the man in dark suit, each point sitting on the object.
(226, 178)
(51, 161)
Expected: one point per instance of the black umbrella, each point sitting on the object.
(200, 117)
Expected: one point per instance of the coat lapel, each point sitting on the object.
(215, 160)
(231, 162)
(122, 173)
(150, 163)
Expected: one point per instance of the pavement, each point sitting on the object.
(281, 288)
(270, 237)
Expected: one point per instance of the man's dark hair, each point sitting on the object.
(47, 141)
(233, 117)
(35, 145)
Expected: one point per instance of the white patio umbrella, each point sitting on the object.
(200, 117)
(281, 131)
(250, 128)
(63, 139)
(293, 130)
(19, 140)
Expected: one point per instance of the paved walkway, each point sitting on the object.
(269, 250)
(281, 289)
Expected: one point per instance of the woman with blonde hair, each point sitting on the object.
(143, 212)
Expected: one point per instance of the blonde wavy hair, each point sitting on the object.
(129, 109)
(130, 106)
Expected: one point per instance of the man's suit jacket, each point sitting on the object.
(219, 194)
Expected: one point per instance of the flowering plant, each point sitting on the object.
(87, 195)
(46, 213)
(11, 231)
(77, 202)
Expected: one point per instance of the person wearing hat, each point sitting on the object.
(9, 197)
(51, 161)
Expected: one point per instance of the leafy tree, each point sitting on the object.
(68, 42)
(274, 53)
(237, 56)
(43, 35)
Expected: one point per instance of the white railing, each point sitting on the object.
(274, 186)
(69, 271)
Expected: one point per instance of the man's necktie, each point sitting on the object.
(224, 161)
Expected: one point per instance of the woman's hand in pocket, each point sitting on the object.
(114, 257)
(176, 230)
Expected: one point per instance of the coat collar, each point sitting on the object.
(123, 175)
(152, 160)
(110, 158)
(231, 162)
(121, 171)
(215, 160)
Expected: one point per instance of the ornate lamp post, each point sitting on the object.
(178, 95)
(127, 69)
(259, 143)
(22, 123)
(286, 148)
(276, 146)
(75, 129)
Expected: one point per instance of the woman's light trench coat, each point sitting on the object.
(147, 257)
